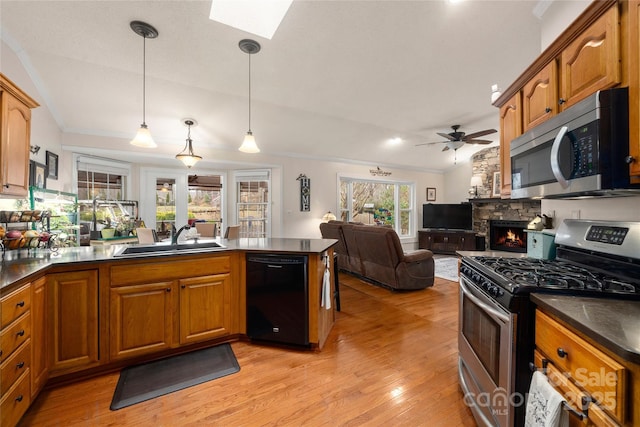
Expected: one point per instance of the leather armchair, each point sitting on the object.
(384, 260)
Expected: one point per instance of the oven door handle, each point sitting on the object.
(555, 161)
(482, 304)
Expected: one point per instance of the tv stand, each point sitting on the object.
(446, 241)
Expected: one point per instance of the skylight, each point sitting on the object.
(259, 17)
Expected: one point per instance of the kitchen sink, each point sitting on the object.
(160, 249)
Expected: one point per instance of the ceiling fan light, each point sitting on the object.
(143, 138)
(249, 144)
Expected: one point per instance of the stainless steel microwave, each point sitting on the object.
(582, 151)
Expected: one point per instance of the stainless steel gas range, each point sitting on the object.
(496, 335)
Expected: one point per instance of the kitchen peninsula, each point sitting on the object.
(84, 310)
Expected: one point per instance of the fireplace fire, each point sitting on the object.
(509, 236)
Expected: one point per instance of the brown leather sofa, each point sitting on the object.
(375, 254)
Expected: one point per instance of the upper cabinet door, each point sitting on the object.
(15, 131)
(510, 127)
(592, 61)
(539, 97)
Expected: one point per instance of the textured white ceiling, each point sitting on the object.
(337, 80)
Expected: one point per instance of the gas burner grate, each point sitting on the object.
(529, 273)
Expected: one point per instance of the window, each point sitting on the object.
(378, 202)
(165, 206)
(101, 178)
(252, 203)
(205, 199)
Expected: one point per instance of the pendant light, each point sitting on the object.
(186, 156)
(249, 144)
(143, 137)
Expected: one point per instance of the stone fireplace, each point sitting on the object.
(507, 235)
(487, 209)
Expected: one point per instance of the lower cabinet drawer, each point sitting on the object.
(590, 369)
(14, 335)
(15, 403)
(14, 366)
(574, 397)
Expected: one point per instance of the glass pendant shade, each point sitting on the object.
(187, 156)
(143, 138)
(249, 144)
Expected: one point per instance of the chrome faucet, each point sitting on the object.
(176, 234)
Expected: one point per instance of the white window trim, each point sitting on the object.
(414, 211)
(106, 165)
(257, 174)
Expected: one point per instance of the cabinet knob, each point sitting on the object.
(547, 110)
(19, 398)
(6, 186)
(20, 333)
(20, 365)
(629, 159)
(20, 304)
(561, 101)
(562, 353)
(183, 286)
(168, 289)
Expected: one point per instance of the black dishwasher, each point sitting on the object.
(277, 298)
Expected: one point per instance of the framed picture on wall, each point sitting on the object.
(496, 184)
(431, 194)
(37, 174)
(52, 165)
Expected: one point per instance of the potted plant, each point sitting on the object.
(108, 231)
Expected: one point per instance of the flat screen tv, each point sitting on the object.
(447, 216)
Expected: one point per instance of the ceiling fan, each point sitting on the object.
(455, 139)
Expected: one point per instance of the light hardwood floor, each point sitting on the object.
(390, 360)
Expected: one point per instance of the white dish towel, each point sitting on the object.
(325, 298)
(544, 404)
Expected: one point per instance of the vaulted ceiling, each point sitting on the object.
(337, 81)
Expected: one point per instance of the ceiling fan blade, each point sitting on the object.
(431, 143)
(446, 135)
(446, 147)
(478, 141)
(477, 134)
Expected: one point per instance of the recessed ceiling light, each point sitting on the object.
(395, 141)
(259, 17)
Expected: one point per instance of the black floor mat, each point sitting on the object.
(153, 379)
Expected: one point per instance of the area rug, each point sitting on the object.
(149, 380)
(446, 268)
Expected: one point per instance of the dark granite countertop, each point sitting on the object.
(613, 323)
(22, 264)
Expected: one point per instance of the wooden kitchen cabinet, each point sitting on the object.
(15, 136)
(72, 308)
(592, 61)
(156, 306)
(141, 319)
(540, 97)
(39, 354)
(577, 368)
(599, 50)
(205, 308)
(15, 355)
(510, 128)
